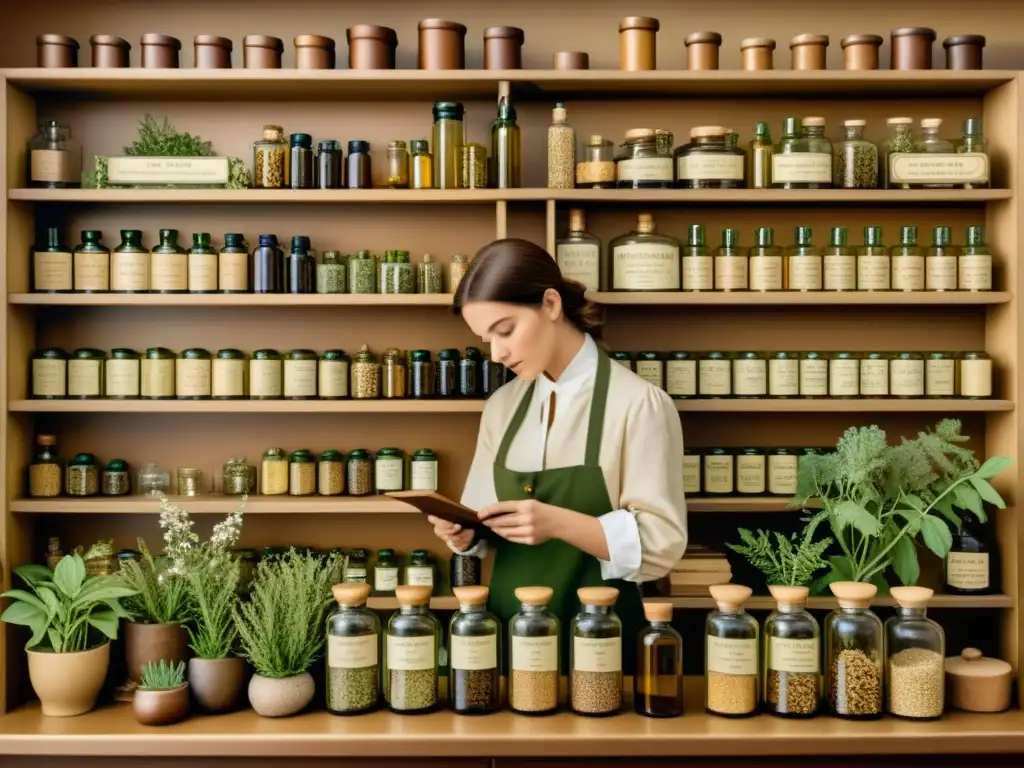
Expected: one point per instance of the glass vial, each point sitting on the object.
(658, 685)
(853, 653)
(792, 655)
(410, 653)
(595, 687)
(915, 653)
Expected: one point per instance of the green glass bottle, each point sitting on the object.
(803, 267)
(873, 267)
(52, 271)
(233, 265)
(840, 263)
(940, 263)
(731, 263)
(91, 263)
(759, 158)
(907, 262)
(506, 162)
(202, 265)
(129, 264)
(698, 264)
(766, 262)
(168, 265)
(975, 263)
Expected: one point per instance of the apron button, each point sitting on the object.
(528, 490)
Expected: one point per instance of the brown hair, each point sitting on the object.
(514, 271)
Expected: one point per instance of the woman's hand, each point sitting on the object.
(451, 533)
(527, 521)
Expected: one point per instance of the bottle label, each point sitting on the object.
(908, 273)
(129, 271)
(796, 655)
(646, 169)
(228, 377)
(874, 378)
(940, 273)
(84, 378)
(385, 579)
(976, 272)
(333, 378)
(718, 474)
(840, 272)
(157, 378)
(474, 653)
(169, 271)
(193, 378)
(702, 166)
(123, 378)
(300, 378)
(534, 654)
(698, 273)
(844, 378)
(202, 272)
(233, 271)
(411, 653)
(750, 474)
(802, 168)
(681, 377)
(784, 378)
(766, 273)
(730, 273)
(49, 378)
(597, 654)
(265, 378)
(352, 575)
(351, 652)
(976, 378)
(782, 471)
(715, 378)
(645, 267)
(750, 378)
(423, 475)
(939, 378)
(651, 371)
(814, 378)
(906, 378)
(52, 271)
(580, 262)
(56, 165)
(873, 273)
(92, 271)
(938, 168)
(691, 474)
(730, 656)
(967, 570)
(805, 273)
(419, 576)
(389, 474)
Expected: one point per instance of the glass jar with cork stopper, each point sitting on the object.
(915, 650)
(353, 659)
(792, 655)
(270, 159)
(658, 685)
(853, 653)
(410, 653)
(534, 654)
(731, 654)
(475, 639)
(710, 161)
(645, 162)
(595, 687)
(595, 164)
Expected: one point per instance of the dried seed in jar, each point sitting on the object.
(412, 688)
(596, 692)
(353, 690)
(793, 693)
(533, 691)
(916, 682)
(731, 694)
(856, 684)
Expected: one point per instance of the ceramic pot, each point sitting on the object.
(280, 697)
(218, 685)
(160, 706)
(67, 684)
(144, 643)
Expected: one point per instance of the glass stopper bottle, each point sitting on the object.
(270, 159)
(595, 687)
(534, 653)
(91, 263)
(578, 254)
(410, 653)
(658, 688)
(873, 264)
(973, 141)
(940, 265)
(915, 653)
(853, 653)
(54, 158)
(353, 663)
(840, 263)
(931, 142)
(642, 260)
(730, 654)
(803, 267)
(506, 162)
(907, 262)
(759, 158)
(975, 263)
(855, 159)
(792, 655)
(698, 268)
(731, 263)
(475, 638)
(766, 262)
(129, 264)
(561, 150)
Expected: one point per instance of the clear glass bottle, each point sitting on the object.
(411, 653)
(731, 263)
(419, 570)
(900, 139)
(940, 263)
(168, 266)
(54, 158)
(421, 164)
(642, 260)
(931, 142)
(710, 161)
(698, 265)
(385, 572)
(907, 262)
(91, 263)
(398, 165)
(595, 687)
(799, 161)
(766, 262)
(353, 661)
(792, 655)
(854, 653)
(973, 141)
(534, 654)
(731, 654)
(906, 375)
(874, 267)
(759, 158)
(595, 168)
(642, 163)
(975, 263)
(839, 263)
(658, 684)
(803, 263)
(855, 159)
(457, 269)
(506, 154)
(915, 654)
(561, 150)
(972, 560)
(270, 159)
(429, 275)
(475, 652)
(578, 254)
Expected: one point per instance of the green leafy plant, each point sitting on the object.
(66, 611)
(160, 595)
(879, 499)
(281, 626)
(789, 562)
(159, 675)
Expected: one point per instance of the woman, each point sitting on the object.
(578, 466)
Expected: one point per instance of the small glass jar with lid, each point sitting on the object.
(266, 375)
(360, 473)
(939, 374)
(230, 375)
(429, 275)
(714, 375)
(874, 375)
(447, 373)
(398, 165)
(193, 375)
(475, 653)
(300, 375)
(356, 569)
(854, 159)
(362, 273)
(353, 662)
(332, 273)
(410, 653)
(153, 480)
(330, 473)
(915, 651)
(274, 473)
(46, 472)
(457, 269)
(803, 271)
(783, 464)
(237, 477)
(644, 162)
(658, 684)
(270, 159)
(393, 374)
(650, 366)
(843, 375)
(301, 473)
(365, 375)
(906, 375)
(853, 653)
(470, 373)
(385, 572)
(83, 476)
(907, 262)
(749, 375)
(730, 660)
(681, 375)
(85, 373)
(396, 273)
(333, 375)
(595, 164)
(719, 472)
(123, 375)
(422, 375)
(419, 569)
(595, 686)
(625, 359)
(421, 165)
(190, 481)
(116, 480)
(423, 470)
(783, 374)
(839, 262)
(798, 162)
(389, 470)
(874, 267)
(792, 655)
(974, 379)
(534, 653)
(692, 470)
(751, 472)
(50, 374)
(710, 161)
(813, 374)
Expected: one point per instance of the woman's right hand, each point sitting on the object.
(451, 533)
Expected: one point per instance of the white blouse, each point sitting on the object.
(641, 457)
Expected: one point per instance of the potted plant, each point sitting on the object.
(281, 627)
(162, 695)
(73, 619)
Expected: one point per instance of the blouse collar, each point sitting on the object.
(581, 371)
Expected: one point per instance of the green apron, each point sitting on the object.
(555, 563)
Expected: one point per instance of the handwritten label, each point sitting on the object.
(535, 654)
(938, 168)
(352, 652)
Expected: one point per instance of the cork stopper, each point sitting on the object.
(471, 595)
(730, 597)
(789, 595)
(410, 595)
(855, 123)
(899, 120)
(931, 122)
(351, 595)
(597, 595)
(577, 220)
(705, 131)
(46, 440)
(559, 114)
(912, 597)
(817, 122)
(595, 140)
(637, 135)
(660, 611)
(272, 132)
(534, 595)
(645, 223)
(853, 594)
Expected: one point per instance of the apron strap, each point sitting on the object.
(595, 428)
(513, 427)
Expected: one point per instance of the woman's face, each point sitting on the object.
(521, 338)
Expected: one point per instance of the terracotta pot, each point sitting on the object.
(144, 643)
(160, 706)
(280, 697)
(218, 685)
(67, 684)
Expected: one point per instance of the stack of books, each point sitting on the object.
(699, 569)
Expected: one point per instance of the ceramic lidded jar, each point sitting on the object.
(757, 53)
(262, 52)
(212, 52)
(861, 51)
(371, 46)
(808, 51)
(638, 43)
(442, 44)
(964, 51)
(160, 51)
(571, 60)
(978, 683)
(503, 47)
(314, 52)
(702, 50)
(109, 51)
(911, 47)
(56, 51)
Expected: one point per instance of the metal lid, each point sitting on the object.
(195, 354)
(703, 37)
(639, 22)
(51, 39)
(926, 32)
(860, 39)
(123, 353)
(230, 354)
(757, 42)
(371, 32)
(503, 33)
(448, 110)
(453, 26)
(154, 38)
(808, 39)
(358, 453)
(220, 42)
(704, 131)
(83, 458)
(114, 40)
(264, 41)
(357, 146)
(314, 41)
(952, 40)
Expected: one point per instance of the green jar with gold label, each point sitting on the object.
(719, 472)
(650, 366)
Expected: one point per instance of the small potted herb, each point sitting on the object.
(162, 695)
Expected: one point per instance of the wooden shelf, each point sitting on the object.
(767, 603)
(265, 196)
(231, 300)
(839, 405)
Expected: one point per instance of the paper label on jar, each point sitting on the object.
(784, 378)
(976, 378)
(202, 272)
(646, 267)
(750, 378)
(534, 654)
(940, 273)
(976, 273)
(796, 655)
(681, 377)
(938, 168)
(52, 271)
(193, 377)
(92, 271)
(967, 570)
(709, 167)
(698, 273)
(351, 652)
(423, 475)
(265, 378)
(410, 653)
(123, 378)
(56, 165)
(646, 169)
(840, 272)
(300, 378)
(474, 652)
(730, 273)
(730, 656)
(580, 262)
(169, 271)
(233, 271)
(814, 378)
(597, 654)
(805, 273)
(228, 377)
(389, 472)
(782, 471)
(750, 474)
(908, 273)
(939, 378)
(874, 378)
(49, 378)
(766, 273)
(157, 378)
(906, 378)
(651, 371)
(333, 378)
(691, 474)
(715, 377)
(873, 273)
(129, 271)
(802, 168)
(84, 378)
(385, 579)
(354, 575)
(718, 474)
(419, 576)
(844, 378)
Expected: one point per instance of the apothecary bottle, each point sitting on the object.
(475, 641)
(332, 273)
(813, 374)
(931, 142)
(447, 373)
(233, 265)
(421, 374)
(642, 260)
(714, 375)
(266, 375)
(129, 264)
(268, 262)
(595, 166)
(698, 268)
(300, 266)
(301, 473)
(362, 272)
(765, 266)
(54, 158)
(803, 263)
(855, 159)
(974, 142)
(874, 374)
(429, 275)
(91, 263)
(389, 470)
(900, 140)
(471, 373)
(300, 375)
(974, 379)
(578, 254)
(731, 654)
(398, 165)
(396, 273)
(534, 653)
(644, 162)
(52, 269)
(333, 375)
(168, 266)
(561, 146)
(230, 370)
(939, 374)
(506, 155)
(751, 472)
(360, 473)
(915, 652)
(940, 262)
(122, 375)
(238, 477)
(731, 263)
(83, 476)
(153, 480)
(158, 374)
(907, 262)
(658, 684)
(749, 375)
(759, 158)
(906, 375)
(709, 161)
(843, 375)
(365, 375)
(421, 165)
(330, 473)
(975, 263)
(358, 166)
(783, 374)
(625, 359)
(792, 655)
(692, 468)
(681, 375)
(115, 479)
(202, 264)
(353, 663)
(719, 475)
(385, 572)
(86, 376)
(650, 366)
(419, 570)
(474, 166)
(972, 560)
(356, 566)
(783, 464)
(839, 269)
(447, 144)
(193, 375)
(854, 653)
(423, 470)
(457, 269)
(46, 472)
(798, 162)
(270, 159)
(410, 653)
(874, 267)
(274, 473)
(595, 686)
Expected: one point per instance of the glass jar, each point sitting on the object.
(813, 374)
(421, 374)
(975, 375)
(915, 651)
(874, 267)
(274, 473)
(422, 165)
(266, 375)
(301, 474)
(447, 373)
(465, 570)
(46, 472)
(474, 166)
(389, 471)
(50, 374)
(874, 375)
(697, 263)
(900, 139)
(792, 655)
(843, 375)
(423, 470)
(300, 375)
(470, 370)
(731, 263)
(385, 572)
(783, 374)
(625, 359)
(940, 262)
(410, 653)
(190, 481)
(123, 375)
(358, 169)
(448, 134)
(939, 374)
(932, 142)
(396, 273)
(129, 264)
(475, 648)
(116, 481)
(457, 269)
(493, 377)
(91, 263)
(353, 664)
(153, 480)
(83, 476)
(731, 654)
(393, 374)
(681, 375)
(839, 263)
(360, 473)
(803, 270)
(419, 570)
(534, 653)
(853, 653)
(229, 375)
(692, 468)
(854, 159)
(330, 473)
(193, 375)
(642, 163)
(270, 159)
(975, 263)
(751, 472)
(765, 267)
(333, 375)
(783, 464)
(398, 165)
(800, 162)
(710, 161)
(362, 273)
(356, 567)
(55, 159)
(237, 477)
(332, 273)
(365, 375)
(52, 269)
(595, 687)
(651, 368)
(85, 373)
(595, 168)
(714, 375)
(906, 375)
(749, 375)
(658, 684)
(429, 275)
(719, 472)
(233, 265)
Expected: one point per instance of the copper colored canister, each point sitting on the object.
(56, 51)
(758, 53)
(503, 47)
(212, 52)
(314, 52)
(702, 50)
(109, 51)
(638, 43)
(861, 51)
(371, 46)
(262, 52)
(964, 51)
(571, 60)
(442, 44)
(160, 51)
(912, 47)
(808, 51)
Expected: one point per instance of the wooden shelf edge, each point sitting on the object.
(797, 298)
(229, 300)
(840, 405)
